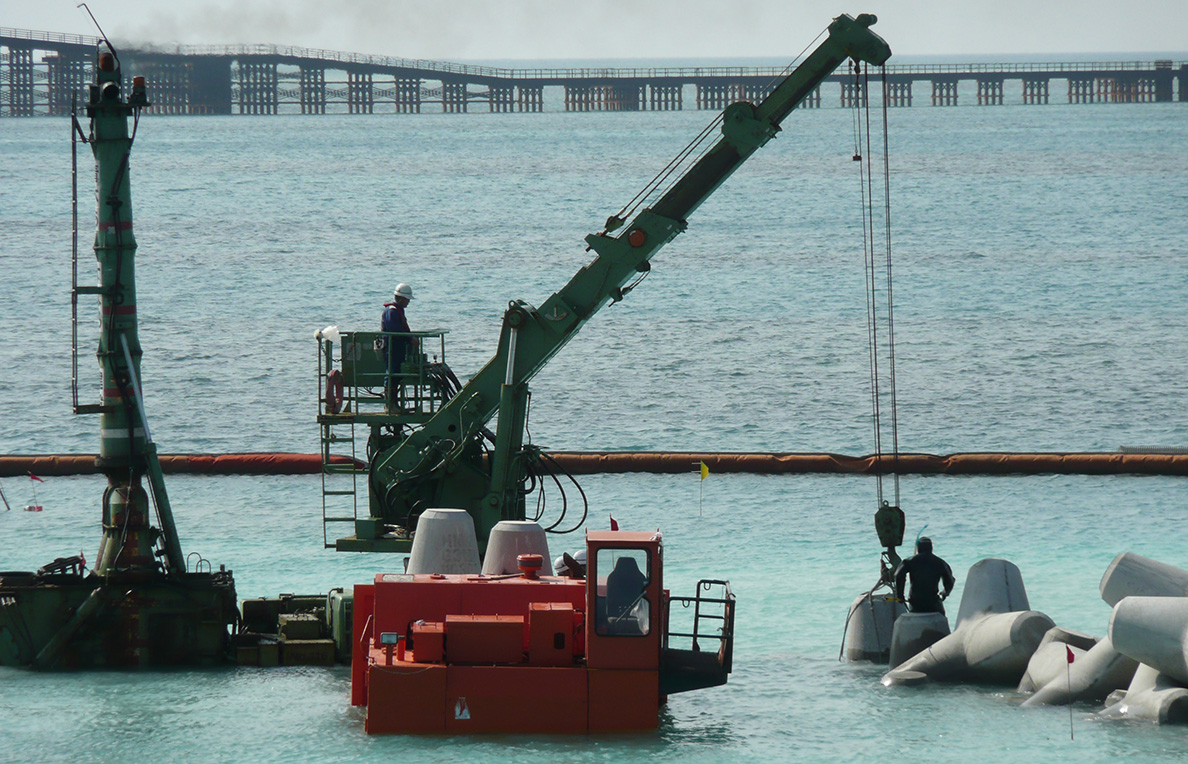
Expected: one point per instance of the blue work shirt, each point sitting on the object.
(395, 348)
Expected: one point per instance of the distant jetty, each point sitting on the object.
(41, 73)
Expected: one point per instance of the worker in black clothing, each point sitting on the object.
(927, 571)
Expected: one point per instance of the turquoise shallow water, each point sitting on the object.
(1040, 278)
(797, 551)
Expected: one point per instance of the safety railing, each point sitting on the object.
(702, 655)
(356, 388)
(364, 388)
(35, 36)
(712, 616)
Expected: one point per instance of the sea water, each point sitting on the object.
(1040, 257)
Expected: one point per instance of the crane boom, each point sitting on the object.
(440, 464)
(746, 127)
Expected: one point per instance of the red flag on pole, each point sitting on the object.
(614, 523)
(1068, 650)
(34, 477)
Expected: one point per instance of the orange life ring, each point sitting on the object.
(334, 391)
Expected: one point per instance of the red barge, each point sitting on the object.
(529, 653)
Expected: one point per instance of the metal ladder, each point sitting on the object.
(340, 465)
(75, 289)
(340, 479)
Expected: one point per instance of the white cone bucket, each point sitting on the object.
(444, 543)
(509, 539)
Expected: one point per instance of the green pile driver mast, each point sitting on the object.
(139, 606)
(126, 450)
(430, 448)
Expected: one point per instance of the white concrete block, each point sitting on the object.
(915, 632)
(1151, 697)
(1090, 677)
(871, 627)
(992, 586)
(1153, 630)
(511, 538)
(1132, 575)
(444, 543)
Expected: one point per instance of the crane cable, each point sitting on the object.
(890, 291)
(860, 102)
(863, 155)
(693, 151)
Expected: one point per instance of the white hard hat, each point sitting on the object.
(403, 290)
(559, 566)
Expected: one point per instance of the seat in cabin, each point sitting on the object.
(624, 592)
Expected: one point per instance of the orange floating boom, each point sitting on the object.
(675, 462)
(988, 463)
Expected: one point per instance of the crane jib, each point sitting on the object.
(432, 452)
(747, 127)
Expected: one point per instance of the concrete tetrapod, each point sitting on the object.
(1149, 623)
(996, 634)
(1132, 575)
(869, 634)
(992, 585)
(1051, 658)
(1092, 676)
(993, 648)
(1154, 631)
(1151, 697)
(915, 632)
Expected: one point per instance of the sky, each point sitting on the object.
(493, 30)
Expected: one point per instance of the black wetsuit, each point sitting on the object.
(926, 571)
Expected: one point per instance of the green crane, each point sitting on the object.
(440, 461)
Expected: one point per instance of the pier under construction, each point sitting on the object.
(41, 73)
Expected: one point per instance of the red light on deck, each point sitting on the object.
(138, 83)
(637, 238)
(106, 62)
(530, 565)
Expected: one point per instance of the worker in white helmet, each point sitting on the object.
(571, 566)
(395, 348)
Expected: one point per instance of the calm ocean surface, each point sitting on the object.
(1041, 260)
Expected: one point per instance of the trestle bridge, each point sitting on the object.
(41, 73)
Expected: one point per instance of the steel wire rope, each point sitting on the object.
(661, 177)
(869, 245)
(76, 135)
(783, 73)
(857, 101)
(890, 294)
(864, 100)
(650, 189)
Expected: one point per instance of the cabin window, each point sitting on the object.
(621, 606)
